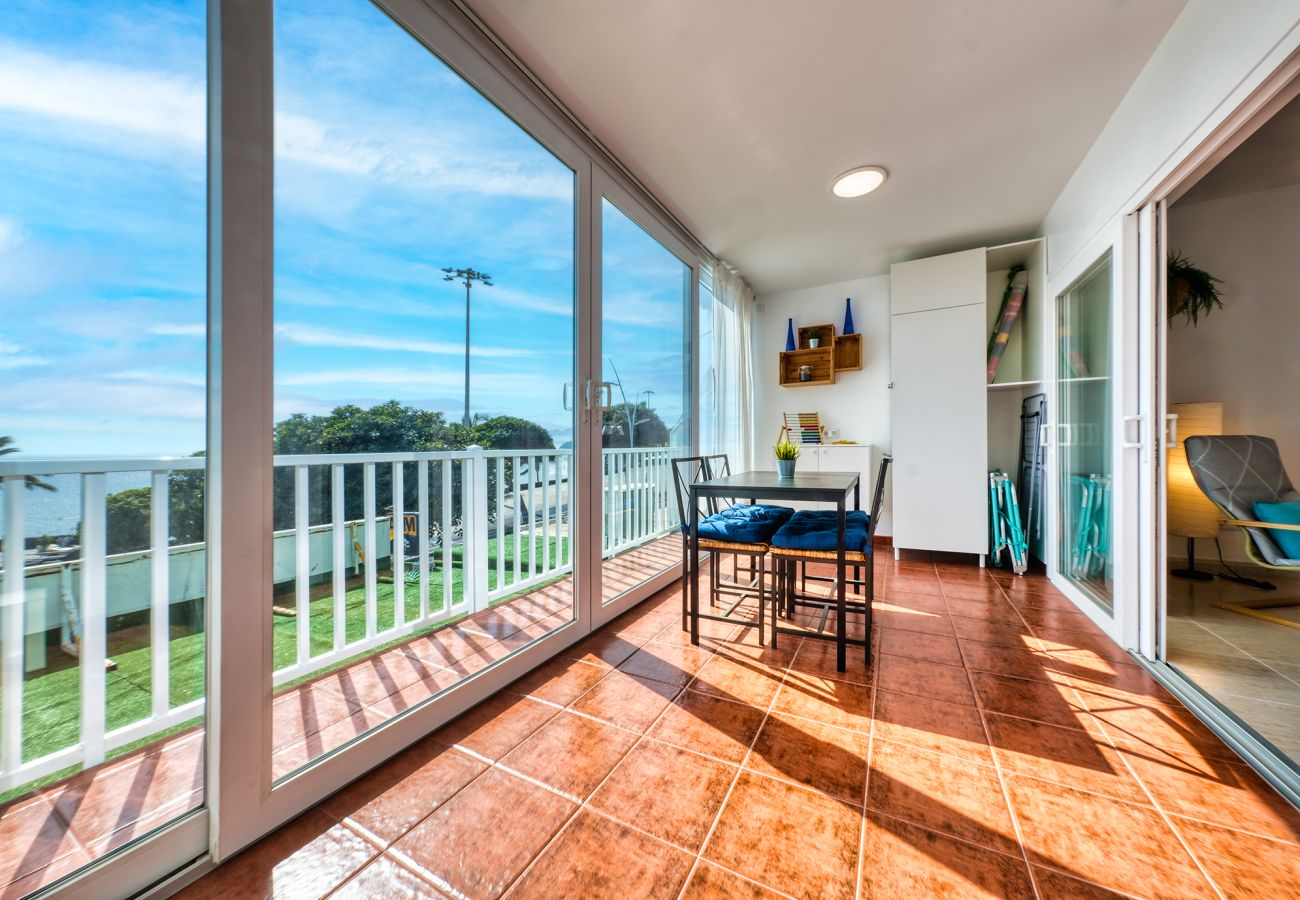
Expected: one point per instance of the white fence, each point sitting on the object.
(508, 513)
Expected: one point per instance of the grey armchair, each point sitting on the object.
(1236, 471)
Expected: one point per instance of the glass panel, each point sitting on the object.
(645, 337)
(425, 314)
(103, 242)
(1084, 438)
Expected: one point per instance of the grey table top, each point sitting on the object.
(770, 486)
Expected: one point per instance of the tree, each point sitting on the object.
(128, 513)
(647, 429)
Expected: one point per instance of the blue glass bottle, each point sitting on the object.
(789, 336)
(848, 315)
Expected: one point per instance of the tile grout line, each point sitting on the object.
(1002, 781)
(866, 780)
(1155, 804)
(740, 768)
(1106, 735)
(584, 804)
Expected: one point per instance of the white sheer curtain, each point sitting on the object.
(726, 367)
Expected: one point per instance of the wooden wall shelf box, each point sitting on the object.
(834, 353)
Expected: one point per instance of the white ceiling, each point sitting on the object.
(738, 113)
(1269, 158)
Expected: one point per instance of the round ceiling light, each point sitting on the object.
(859, 181)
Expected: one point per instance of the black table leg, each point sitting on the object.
(841, 616)
(695, 567)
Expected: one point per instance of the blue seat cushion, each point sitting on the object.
(1282, 514)
(743, 523)
(815, 529)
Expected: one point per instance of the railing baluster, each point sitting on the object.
(12, 625)
(546, 515)
(302, 563)
(94, 624)
(466, 535)
(369, 561)
(607, 493)
(476, 539)
(160, 595)
(532, 516)
(500, 530)
(446, 535)
(397, 554)
(422, 475)
(339, 568)
(515, 463)
(644, 493)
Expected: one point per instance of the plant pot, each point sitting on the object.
(785, 468)
(814, 343)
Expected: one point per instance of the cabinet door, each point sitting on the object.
(940, 440)
(940, 282)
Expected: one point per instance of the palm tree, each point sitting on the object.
(7, 447)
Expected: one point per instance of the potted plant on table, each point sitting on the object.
(786, 454)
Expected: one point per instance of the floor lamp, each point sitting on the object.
(1189, 512)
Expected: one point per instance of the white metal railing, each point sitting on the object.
(510, 513)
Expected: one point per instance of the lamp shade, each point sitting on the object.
(1189, 512)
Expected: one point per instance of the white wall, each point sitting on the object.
(857, 405)
(1215, 53)
(1246, 353)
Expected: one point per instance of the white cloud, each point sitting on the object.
(14, 356)
(179, 330)
(10, 233)
(159, 378)
(310, 336)
(158, 104)
(530, 302)
(21, 361)
(172, 108)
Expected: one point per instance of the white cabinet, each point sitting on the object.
(949, 426)
(940, 282)
(837, 458)
(940, 436)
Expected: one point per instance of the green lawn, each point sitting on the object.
(51, 700)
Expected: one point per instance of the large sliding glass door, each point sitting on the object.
(425, 321)
(103, 624)
(1085, 434)
(283, 493)
(645, 328)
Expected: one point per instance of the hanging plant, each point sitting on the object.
(1191, 292)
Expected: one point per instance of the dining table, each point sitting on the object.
(811, 487)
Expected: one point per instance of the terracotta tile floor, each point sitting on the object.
(49, 834)
(999, 747)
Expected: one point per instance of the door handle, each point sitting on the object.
(1171, 430)
(604, 391)
(565, 400)
(1132, 445)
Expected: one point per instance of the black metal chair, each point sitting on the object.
(788, 597)
(686, 471)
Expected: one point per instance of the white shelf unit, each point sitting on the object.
(950, 427)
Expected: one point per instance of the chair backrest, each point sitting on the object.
(686, 471)
(878, 496)
(1236, 471)
(718, 465)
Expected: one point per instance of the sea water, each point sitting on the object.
(58, 512)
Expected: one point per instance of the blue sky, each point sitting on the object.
(388, 167)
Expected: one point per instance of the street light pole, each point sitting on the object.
(467, 277)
